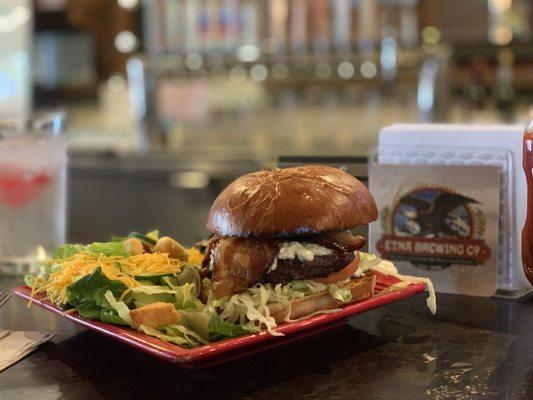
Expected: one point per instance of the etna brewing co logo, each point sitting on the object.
(433, 228)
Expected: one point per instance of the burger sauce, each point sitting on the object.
(527, 231)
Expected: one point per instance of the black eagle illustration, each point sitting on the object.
(433, 218)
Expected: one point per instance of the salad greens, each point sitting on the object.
(100, 294)
(115, 247)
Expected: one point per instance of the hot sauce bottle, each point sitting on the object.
(527, 232)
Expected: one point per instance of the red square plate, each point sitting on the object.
(225, 350)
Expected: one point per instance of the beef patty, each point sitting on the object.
(320, 266)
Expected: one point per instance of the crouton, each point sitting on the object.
(133, 246)
(154, 315)
(173, 248)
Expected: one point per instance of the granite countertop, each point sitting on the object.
(473, 348)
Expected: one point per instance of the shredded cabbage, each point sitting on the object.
(372, 262)
(340, 293)
(251, 308)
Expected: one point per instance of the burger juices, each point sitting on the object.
(289, 224)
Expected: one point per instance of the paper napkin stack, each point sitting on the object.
(14, 346)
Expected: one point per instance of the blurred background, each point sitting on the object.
(167, 101)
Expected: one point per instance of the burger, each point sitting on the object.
(284, 225)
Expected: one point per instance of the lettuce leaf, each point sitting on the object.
(87, 295)
(29, 280)
(219, 329)
(120, 307)
(148, 294)
(186, 298)
(196, 328)
(190, 274)
(105, 248)
(153, 235)
(180, 330)
(110, 317)
(67, 250)
(197, 321)
(151, 279)
(91, 311)
(150, 238)
(92, 288)
(186, 294)
(176, 334)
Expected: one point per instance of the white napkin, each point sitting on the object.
(14, 346)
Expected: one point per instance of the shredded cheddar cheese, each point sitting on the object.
(195, 256)
(150, 264)
(122, 269)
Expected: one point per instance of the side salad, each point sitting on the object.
(157, 286)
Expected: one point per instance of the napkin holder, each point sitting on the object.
(424, 144)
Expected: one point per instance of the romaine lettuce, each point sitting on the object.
(67, 250)
(92, 288)
(186, 297)
(177, 334)
(219, 329)
(120, 307)
(105, 248)
(186, 293)
(148, 294)
(190, 274)
(197, 321)
(87, 295)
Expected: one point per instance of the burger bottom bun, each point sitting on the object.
(361, 288)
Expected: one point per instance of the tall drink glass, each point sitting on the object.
(32, 193)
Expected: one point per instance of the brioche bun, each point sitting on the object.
(292, 201)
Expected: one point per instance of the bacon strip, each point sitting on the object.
(346, 240)
(239, 263)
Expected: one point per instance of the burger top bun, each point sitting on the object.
(292, 201)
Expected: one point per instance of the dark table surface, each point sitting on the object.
(473, 348)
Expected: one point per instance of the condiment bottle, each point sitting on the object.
(527, 231)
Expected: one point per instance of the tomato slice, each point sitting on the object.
(344, 273)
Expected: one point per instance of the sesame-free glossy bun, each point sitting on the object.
(291, 201)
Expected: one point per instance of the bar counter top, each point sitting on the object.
(472, 348)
